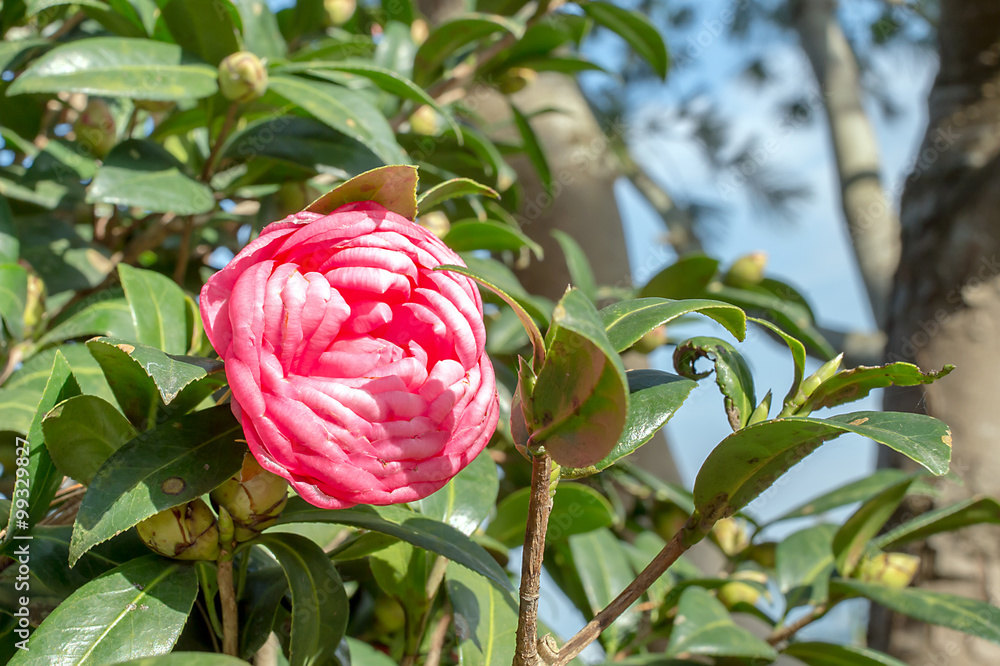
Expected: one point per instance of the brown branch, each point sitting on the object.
(184, 252)
(230, 616)
(786, 632)
(213, 156)
(539, 508)
(603, 620)
(438, 637)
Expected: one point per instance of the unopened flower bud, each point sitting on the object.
(339, 12)
(253, 497)
(34, 307)
(813, 381)
(739, 590)
(748, 269)
(95, 128)
(731, 536)
(652, 340)
(762, 411)
(242, 77)
(419, 31)
(517, 79)
(435, 222)
(894, 570)
(185, 532)
(426, 121)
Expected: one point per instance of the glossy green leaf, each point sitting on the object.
(466, 500)
(581, 274)
(158, 306)
(532, 147)
(747, 462)
(12, 50)
(185, 659)
(516, 299)
(635, 29)
(393, 187)
(135, 610)
(579, 404)
(42, 473)
(798, 352)
(319, 602)
(469, 235)
(143, 174)
(364, 654)
(33, 7)
(685, 278)
(263, 590)
(732, 375)
(485, 618)
(342, 109)
(128, 18)
(407, 525)
(161, 468)
(13, 298)
(851, 541)
(704, 627)
(576, 509)
(80, 434)
(856, 491)
(205, 28)
(566, 64)
(654, 397)
(829, 654)
(605, 570)
(804, 563)
(973, 511)
(452, 189)
(118, 67)
(110, 317)
(856, 383)
(676, 591)
(10, 246)
(447, 38)
(627, 321)
(970, 616)
(401, 572)
(260, 29)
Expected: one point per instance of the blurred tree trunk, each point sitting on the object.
(871, 220)
(945, 308)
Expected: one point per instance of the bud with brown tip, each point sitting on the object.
(242, 77)
(253, 497)
(185, 532)
(95, 128)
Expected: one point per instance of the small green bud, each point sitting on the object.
(516, 79)
(731, 536)
(762, 411)
(419, 31)
(738, 591)
(651, 341)
(95, 128)
(242, 77)
(185, 532)
(813, 381)
(339, 12)
(34, 307)
(425, 121)
(748, 269)
(253, 497)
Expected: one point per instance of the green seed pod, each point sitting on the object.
(253, 497)
(242, 77)
(185, 532)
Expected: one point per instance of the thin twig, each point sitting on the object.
(230, 617)
(539, 508)
(438, 637)
(213, 156)
(184, 252)
(784, 633)
(603, 620)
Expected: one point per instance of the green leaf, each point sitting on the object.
(342, 109)
(829, 654)
(452, 189)
(654, 397)
(855, 491)
(393, 187)
(798, 351)
(447, 38)
(485, 618)
(532, 147)
(604, 570)
(518, 302)
(407, 525)
(466, 500)
(143, 174)
(10, 246)
(579, 404)
(185, 659)
(747, 462)
(580, 273)
(851, 541)
(319, 602)
(973, 511)
(204, 28)
(110, 317)
(567, 64)
(118, 67)
(970, 616)
(42, 473)
(687, 277)
(472, 234)
(159, 469)
(363, 654)
(857, 383)
(135, 610)
(804, 563)
(263, 591)
(13, 298)
(635, 29)
(703, 627)
(627, 321)
(33, 7)
(80, 434)
(576, 509)
(260, 29)
(732, 375)
(158, 306)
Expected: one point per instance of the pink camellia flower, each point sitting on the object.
(358, 372)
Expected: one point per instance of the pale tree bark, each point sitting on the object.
(945, 308)
(870, 217)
